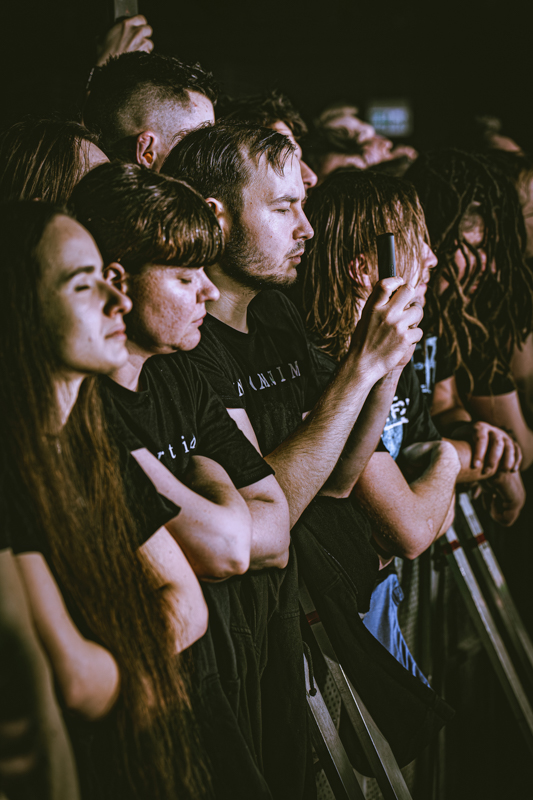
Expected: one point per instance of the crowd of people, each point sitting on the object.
(210, 396)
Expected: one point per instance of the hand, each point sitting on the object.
(492, 448)
(126, 36)
(386, 334)
(404, 150)
(508, 497)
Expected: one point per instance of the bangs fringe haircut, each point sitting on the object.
(139, 218)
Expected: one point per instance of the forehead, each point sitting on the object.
(65, 245)
(283, 128)
(266, 184)
(472, 226)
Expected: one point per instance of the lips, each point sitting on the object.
(118, 332)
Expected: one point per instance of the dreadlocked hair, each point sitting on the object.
(75, 490)
(348, 211)
(453, 187)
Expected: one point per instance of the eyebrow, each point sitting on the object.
(78, 271)
(286, 198)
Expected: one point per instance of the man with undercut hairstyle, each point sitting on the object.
(317, 426)
(141, 104)
(273, 110)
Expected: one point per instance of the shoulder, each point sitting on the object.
(271, 304)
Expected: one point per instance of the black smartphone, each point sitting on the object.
(386, 256)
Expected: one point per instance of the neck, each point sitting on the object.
(128, 375)
(67, 390)
(232, 306)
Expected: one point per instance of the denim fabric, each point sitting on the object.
(382, 622)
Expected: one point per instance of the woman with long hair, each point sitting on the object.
(43, 159)
(112, 596)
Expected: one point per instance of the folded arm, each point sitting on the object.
(186, 603)
(87, 673)
(408, 517)
(213, 527)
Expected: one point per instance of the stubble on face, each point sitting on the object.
(249, 266)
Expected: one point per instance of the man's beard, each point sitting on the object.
(248, 265)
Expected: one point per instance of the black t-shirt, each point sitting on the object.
(21, 530)
(177, 415)
(272, 371)
(409, 420)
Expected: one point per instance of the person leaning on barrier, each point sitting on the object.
(317, 424)
(140, 104)
(162, 233)
(351, 209)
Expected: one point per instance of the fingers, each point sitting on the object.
(518, 457)
(383, 291)
(140, 39)
(495, 448)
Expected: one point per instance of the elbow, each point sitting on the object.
(232, 563)
(282, 560)
(81, 699)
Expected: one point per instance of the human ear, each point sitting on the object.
(360, 272)
(115, 274)
(221, 214)
(145, 150)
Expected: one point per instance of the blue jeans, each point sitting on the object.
(382, 622)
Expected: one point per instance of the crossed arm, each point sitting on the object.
(221, 530)
(408, 517)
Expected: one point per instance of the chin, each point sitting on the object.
(190, 342)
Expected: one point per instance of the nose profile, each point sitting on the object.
(117, 301)
(309, 178)
(208, 291)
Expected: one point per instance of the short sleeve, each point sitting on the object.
(150, 509)
(421, 427)
(19, 524)
(221, 439)
(322, 369)
(214, 362)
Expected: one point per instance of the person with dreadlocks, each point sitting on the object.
(519, 169)
(409, 509)
(349, 210)
(481, 294)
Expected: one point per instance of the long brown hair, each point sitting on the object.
(348, 211)
(42, 159)
(73, 484)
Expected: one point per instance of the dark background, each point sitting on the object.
(450, 59)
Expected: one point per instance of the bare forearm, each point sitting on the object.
(270, 534)
(305, 460)
(408, 518)
(363, 439)
(213, 527)
(467, 473)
